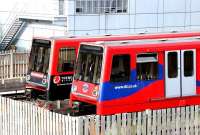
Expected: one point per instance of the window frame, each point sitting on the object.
(192, 63)
(33, 59)
(153, 60)
(169, 66)
(58, 65)
(129, 72)
(61, 7)
(81, 69)
(101, 6)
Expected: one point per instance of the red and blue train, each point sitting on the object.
(51, 64)
(135, 75)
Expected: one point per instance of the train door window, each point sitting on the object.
(172, 65)
(188, 63)
(147, 66)
(66, 60)
(120, 71)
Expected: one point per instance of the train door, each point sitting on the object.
(180, 73)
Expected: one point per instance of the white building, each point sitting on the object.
(94, 17)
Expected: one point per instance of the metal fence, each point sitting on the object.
(13, 64)
(23, 118)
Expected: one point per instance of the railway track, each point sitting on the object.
(7, 86)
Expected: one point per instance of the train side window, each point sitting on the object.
(66, 60)
(147, 66)
(120, 71)
(188, 63)
(172, 64)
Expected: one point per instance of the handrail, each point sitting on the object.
(11, 18)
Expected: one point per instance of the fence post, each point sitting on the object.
(2, 81)
(11, 64)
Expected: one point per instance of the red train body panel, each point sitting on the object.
(45, 73)
(137, 75)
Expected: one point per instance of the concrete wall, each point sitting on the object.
(38, 30)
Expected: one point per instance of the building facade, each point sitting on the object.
(132, 16)
(99, 17)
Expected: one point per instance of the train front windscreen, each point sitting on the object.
(39, 62)
(39, 57)
(89, 64)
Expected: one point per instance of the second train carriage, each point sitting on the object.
(116, 77)
(51, 68)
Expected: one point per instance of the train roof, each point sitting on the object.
(148, 42)
(124, 36)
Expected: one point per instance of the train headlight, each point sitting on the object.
(95, 91)
(44, 81)
(74, 88)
